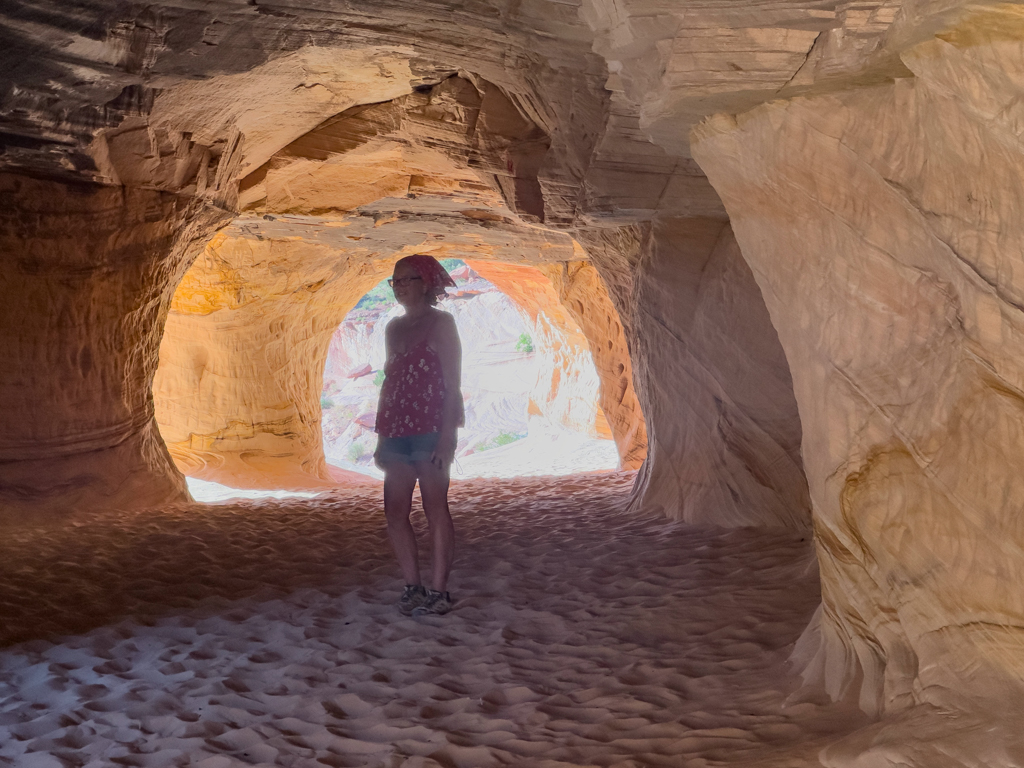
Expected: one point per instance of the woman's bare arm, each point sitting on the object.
(444, 338)
(389, 342)
(388, 346)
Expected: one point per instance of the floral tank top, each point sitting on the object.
(412, 395)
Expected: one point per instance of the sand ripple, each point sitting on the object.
(265, 634)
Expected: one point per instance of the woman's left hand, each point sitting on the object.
(444, 452)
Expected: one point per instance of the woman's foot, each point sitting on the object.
(436, 604)
(413, 596)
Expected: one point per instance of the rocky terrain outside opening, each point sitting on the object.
(530, 386)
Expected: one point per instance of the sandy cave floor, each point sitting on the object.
(264, 633)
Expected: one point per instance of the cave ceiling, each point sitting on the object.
(201, 95)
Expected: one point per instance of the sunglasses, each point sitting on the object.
(401, 282)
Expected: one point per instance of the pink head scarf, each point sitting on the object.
(432, 273)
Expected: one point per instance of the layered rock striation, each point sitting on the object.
(86, 278)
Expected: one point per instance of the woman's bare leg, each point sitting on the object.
(399, 481)
(434, 490)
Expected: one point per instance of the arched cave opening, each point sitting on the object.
(531, 389)
(239, 390)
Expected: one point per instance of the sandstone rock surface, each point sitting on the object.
(725, 433)
(237, 391)
(585, 297)
(883, 226)
(86, 276)
(497, 133)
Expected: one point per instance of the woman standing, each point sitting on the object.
(418, 417)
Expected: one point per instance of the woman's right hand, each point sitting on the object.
(444, 454)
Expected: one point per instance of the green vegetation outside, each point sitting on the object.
(503, 438)
(525, 343)
(378, 296)
(451, 265)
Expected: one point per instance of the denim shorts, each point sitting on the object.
(408, 449)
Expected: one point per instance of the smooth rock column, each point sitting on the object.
(86, 276)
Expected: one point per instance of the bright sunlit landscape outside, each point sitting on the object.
(518, 380)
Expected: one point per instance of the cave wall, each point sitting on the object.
(520, 134)
(86, 277)
(883, 225)
(585, 297)
(238, 388)
(875, 197)
(711, 376)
